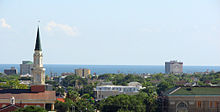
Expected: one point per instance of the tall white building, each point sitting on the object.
(38, 71)
(173, 67)
(25, 67)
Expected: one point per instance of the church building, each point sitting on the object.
(39, 93)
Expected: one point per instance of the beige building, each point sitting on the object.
(192, 99)
(84, 73)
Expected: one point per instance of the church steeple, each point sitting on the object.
(38, 71)
(38, 44)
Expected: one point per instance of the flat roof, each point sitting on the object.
(195, 91)
(115, 86)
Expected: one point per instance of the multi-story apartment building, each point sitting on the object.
(11, 71)
(83, 72)
(25, 67)
(173, 67)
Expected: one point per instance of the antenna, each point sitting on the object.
(38, 22)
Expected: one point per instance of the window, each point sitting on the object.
(199, 104)
(210, 104)
(216, 104)
(48, 106)
(181, 105)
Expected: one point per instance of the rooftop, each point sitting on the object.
(27, 62)
(26, 94)
(116, 86)
(196, 91)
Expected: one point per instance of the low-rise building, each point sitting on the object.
(38, 95)
(136, 84)
(25, 79)
(105, 91)
(192, 99)
(11, 71)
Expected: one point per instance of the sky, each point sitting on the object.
(111, 32)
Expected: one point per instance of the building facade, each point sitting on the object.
(84, 73)
(173, 67)
(11, 71)
(25, 67)
(192, 99)
(101, 92)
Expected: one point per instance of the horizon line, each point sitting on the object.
(112, 64)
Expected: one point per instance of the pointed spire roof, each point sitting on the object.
(38, 44)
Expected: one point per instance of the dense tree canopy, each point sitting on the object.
(129, 103)
(31, 109)
(11, 82)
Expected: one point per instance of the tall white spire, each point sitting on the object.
(38, 71)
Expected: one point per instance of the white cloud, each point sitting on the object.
(53, 26)
(4, 24)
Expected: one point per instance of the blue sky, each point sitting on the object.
(112, 32)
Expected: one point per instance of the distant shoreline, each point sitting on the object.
(101, 69)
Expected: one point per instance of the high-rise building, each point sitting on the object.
(11, 71)
(173, 67)
(25, 67)
(82, 72)
(38, 71)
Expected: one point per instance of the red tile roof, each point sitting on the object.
(61, 99)
(27, 94)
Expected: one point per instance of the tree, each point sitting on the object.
(60, 91)
(61, 106)
(122, 103)
(73, 95)
(164, 86)
(13, 84)
(31, 109)
(87, 89)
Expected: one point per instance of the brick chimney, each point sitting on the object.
(38, 88)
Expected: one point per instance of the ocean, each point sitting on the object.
(126, 69)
